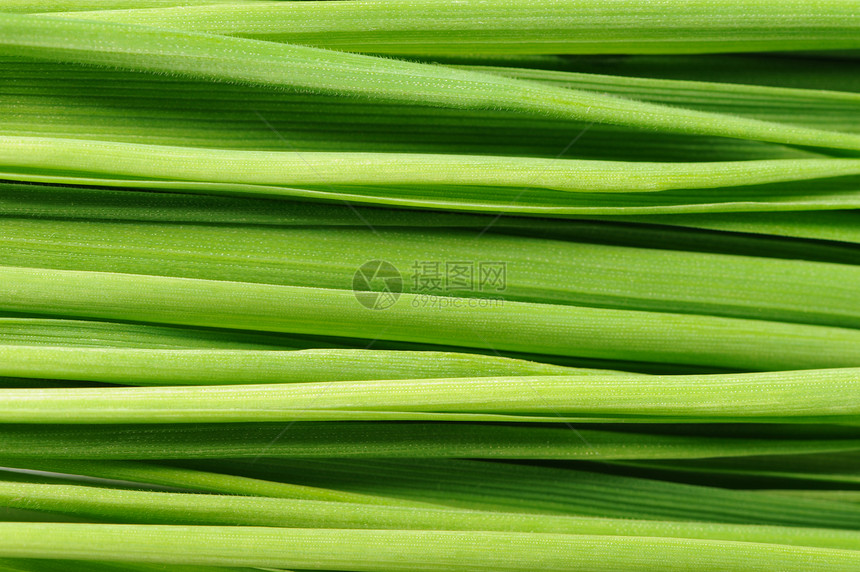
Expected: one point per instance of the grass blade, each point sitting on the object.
(143, 48)
(531, 26)
(195, 481)
(109, 159)
(581, 274)
(134, 366)
(508, 487)
(397, 550)
(140, 507)
(799, 396)
(550, 329)
(377, 440)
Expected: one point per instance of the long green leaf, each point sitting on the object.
(41, 565)
(203, 56)
(45, 332)
(376, 440)
(92, 334)
(507, 487)
(194, 480)
(116, 505)
(110, 159)
(398, 550)
(71, 203)
(35, 6)
(48, 99)
(536, 270)
(833, 496)
(807, 71)
(489, 324)
(821, 194)
(821, 108)
(821, 225)
(828, 470)
(214, 367)
(529, 26)
(803, 396)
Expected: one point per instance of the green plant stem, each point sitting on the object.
(309, 169)
(830, 470)
(36, 6)
(820, 194)
(826, 109)
(203, 56)
(68, 93)
(377, 440)
(530, 26)
(134, 366)
(46, 332)
(831, 496)
(141, 507)
(500, 326)
(799, 396)
(727, 233)
(19, 331)
(200, 481)
(819, 225)
(582, 274)
(48, 99)
(787, 70)
(41, 565)
(398, 550)
(506, 487)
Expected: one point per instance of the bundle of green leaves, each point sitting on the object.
(410, 285)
